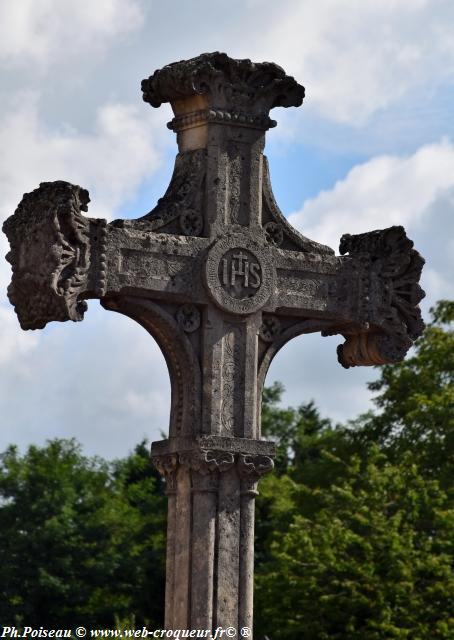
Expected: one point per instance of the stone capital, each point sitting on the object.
(215, 89)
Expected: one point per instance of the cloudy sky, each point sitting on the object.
(372, 146)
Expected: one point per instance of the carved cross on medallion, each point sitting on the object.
(221, 280)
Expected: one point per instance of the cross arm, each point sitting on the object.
(60, 258)
(370, 296)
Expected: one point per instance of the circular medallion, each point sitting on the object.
(239, 274)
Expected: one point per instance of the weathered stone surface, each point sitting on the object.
(50, 254)
(230, 86)
(222, 281)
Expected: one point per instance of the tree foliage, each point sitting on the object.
(416, 401)
(80, 540)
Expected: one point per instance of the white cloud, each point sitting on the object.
(103, 380)
(45, 33)
(416, 191)
(381, 192)
(309, 368)
(111, 161)
(357, 58)
(15, 344)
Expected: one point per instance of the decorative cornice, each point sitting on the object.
(230, 86)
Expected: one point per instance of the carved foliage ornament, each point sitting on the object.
(228, 83)
(390, 294)
(50, 254)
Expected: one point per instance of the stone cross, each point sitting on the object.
(216, 274)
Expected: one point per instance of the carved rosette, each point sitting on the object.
(237, 92)
(389, 293)
(50, 254)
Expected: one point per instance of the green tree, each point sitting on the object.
(59, 515)
(77, 537)
(373, 561)
(144, 491)
(416, 401)
(302, 437)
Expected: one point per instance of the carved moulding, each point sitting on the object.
(389, 292)
(51, 254)
(206, 464)
(254, 466)
(274, 335)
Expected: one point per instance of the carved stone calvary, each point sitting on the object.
(220, 279)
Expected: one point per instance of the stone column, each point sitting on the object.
(212, 485)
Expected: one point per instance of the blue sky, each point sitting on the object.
(372, 146)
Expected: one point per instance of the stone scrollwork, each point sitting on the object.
(205, 461)
(166, 464)
(390, 319)
(254, 466)
(191, 222)
(50, 254)
(180, 210)
(204, 465)
(208, 461)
